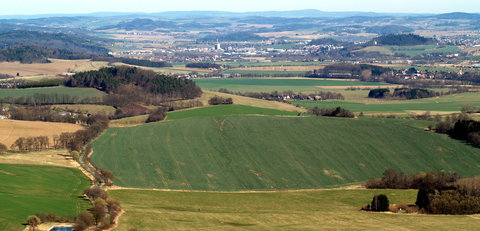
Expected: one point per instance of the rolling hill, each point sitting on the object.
(258, 153)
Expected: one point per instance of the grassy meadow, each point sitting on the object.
(451, 103)
(29, 189)
(277, 84)
(223, 110)
(269, 153)
(314, 210)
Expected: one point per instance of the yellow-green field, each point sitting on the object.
(314, 210)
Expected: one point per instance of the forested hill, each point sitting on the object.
(72, 43)
(401, 40)
(36, 54)
(134, 81)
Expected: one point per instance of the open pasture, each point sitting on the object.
(278, 84)
(29, 189)
(11, 130)
(310, 210)
(235, 153)
(224, 110)
(451, 103)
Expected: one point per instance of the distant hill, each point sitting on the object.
(72, 43)
(37, 47)
(36, 54)
(401, 40)
(389, 29)
(236, 36)
(458, 15)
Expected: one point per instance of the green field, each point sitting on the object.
(256, 153)
(319, 210)
(27, 189)
(425, 49)
(452, 103)
(222, 110)
(270, 64)
(266, 73)
(275, 84)
(79, 92)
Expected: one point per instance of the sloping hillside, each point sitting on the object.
(257, 153)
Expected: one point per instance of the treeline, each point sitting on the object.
(282, 96)
(403, 93)
(30, 144)
(461, 128)
(401, 40)
(38, 99)
(46, 114)
(130, 61)
(331, 112)
(76, 141)
(41, 83)
(439, 193)
(364, 72)
(204, 65)
(131, 83)
(217, 100)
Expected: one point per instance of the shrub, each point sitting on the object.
(33, 221)
(217, 100)
(380, 203)
(332, 112)
(84, 220)
(379, 93)
(95, 192)
(423, 200)
(157, 115)
(3, 148)
(454, 203)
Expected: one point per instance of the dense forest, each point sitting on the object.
(130, 85)
(401, 40)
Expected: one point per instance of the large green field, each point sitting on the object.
(263, 152)
(27, 189)
(222, 110)
(79, 92)
(452, 103)
(315, 210)
(275, 84)
(425, 49)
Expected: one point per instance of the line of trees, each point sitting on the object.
(438, 193)
(29, 144)
(217, 100)
(76, 141)
(331, 112)
(280, 96)
(49, 99)
(460, 127)
(204, 65)
(130, 61)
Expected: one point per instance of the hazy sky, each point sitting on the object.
(10, 7)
